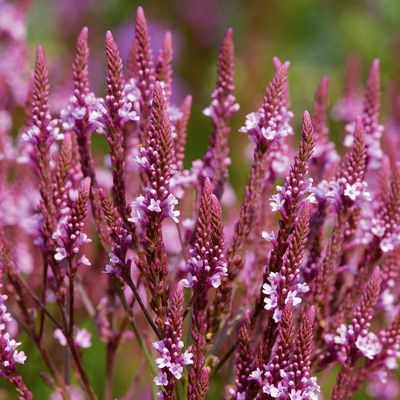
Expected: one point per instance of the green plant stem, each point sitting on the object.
(137, 333)
(43, 297)
(87, 386)
(223, 360)
(39, 303)
(29, 330)
(75, 355)
(143, 307)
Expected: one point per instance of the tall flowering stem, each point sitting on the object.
(320, 116)
(297, 382)
(181, 132)
(349, 107)
(80, 71)
(144, 73)
(370, 117)
(264, 126)
(172, 359)
(383, 362)
(114, 103)
(69, 238)
(41, 135)
(348, 192)
(384, 241)
(355, 340)
(278, 164)
(244, 360)
(324, 159)
(76, 116)
(325, 156)
(296, 191)
(284, 287)
(163, 67)
(10, 357)
(222, 107)
(280, 360)
(206, 269)
(157, 161)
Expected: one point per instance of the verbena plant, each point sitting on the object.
(271, 295)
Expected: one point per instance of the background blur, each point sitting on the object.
(316, 36)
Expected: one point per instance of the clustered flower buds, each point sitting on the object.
(272, 121)
(69, 234)
(286, 294)
(172, 358)
(10, 356)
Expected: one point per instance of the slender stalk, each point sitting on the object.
(223, 360)
(189, 306)
(70, 311)
(43, 298)
(76, 356)
(85, 299)
(82, 373)
(142, 345)
(112, 347)
(137, 333)
(39, 303)
(29, 330)
(50, 365)
(143, 307)
(67, 378)
(71, 305)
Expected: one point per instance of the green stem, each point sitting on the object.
(223, 360)
(76, 356)
(90, 308)
(137, 333)
(143, 307)
(88, 387)
(45, 355)
(38, 302)
(43, 298)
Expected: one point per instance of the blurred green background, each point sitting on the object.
(316, 36)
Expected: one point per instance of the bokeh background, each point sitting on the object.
(316, 36)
